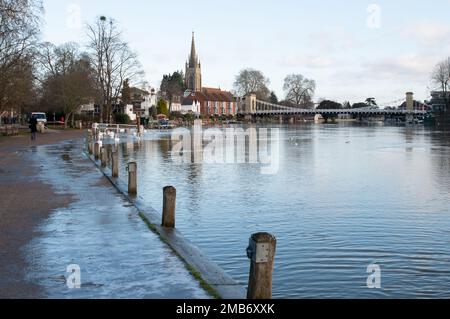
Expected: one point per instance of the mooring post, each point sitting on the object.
(89, 140)
(138, 120)
(132, 178)
(104, 156)
(108, 152)
(115, 164)
(96, 150)
(89, 144)
(261, 252)
(169, 203)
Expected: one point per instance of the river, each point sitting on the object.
(344, 197)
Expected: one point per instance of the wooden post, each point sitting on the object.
(115, 164)
(89, 138)
(89, 147)
(104, 156)
(108, 152)
(169, 203)
(96, 150)
(261, 252)
(138, 122)
(132, 178)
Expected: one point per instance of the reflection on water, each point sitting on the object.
(344, 197)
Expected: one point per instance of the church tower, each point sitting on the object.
(193, 75)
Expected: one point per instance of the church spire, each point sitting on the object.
(193, 57)
(193, 75)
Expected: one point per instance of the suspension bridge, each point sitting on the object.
(254, 107)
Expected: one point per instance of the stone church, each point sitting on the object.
(193, 75)
(203, 100)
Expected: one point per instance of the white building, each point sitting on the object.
(86, 108)
(175, 105)
(129, 111)
(149, 101)
(190, 107)
(143, 100)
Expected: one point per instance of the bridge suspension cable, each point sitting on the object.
(392, 103)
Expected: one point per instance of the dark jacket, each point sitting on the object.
(33, 125)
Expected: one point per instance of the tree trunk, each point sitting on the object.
(67, 119)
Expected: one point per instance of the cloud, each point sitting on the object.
(428, 33)
(308, 61)
(334, 39)
(409, 65)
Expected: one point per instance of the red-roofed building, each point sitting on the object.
(417, 106)
(213, 102)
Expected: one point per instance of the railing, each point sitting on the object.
(266, 108)
(9, 129)
(111, 127)
(342, 111)
(116, 129)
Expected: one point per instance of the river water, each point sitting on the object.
(344, 197)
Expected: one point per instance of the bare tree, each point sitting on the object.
(19, 27)
(299, 90)
(67, 78)
(346, 105)
(57, 60)
(441, 76)
(19, 93)
(113, 61)
(252, 81)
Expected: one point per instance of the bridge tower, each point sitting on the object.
(250, 103)
(410, 101)
(409, 106)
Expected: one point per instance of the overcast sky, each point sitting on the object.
(353, 49)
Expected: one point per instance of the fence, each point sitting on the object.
(8, 130)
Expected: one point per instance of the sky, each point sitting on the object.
(353, 49)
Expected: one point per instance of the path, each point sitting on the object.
(57, 209)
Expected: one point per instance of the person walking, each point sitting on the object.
(33, 128)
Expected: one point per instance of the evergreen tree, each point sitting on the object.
(161, 107)
(273, 98)
(173, 84)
